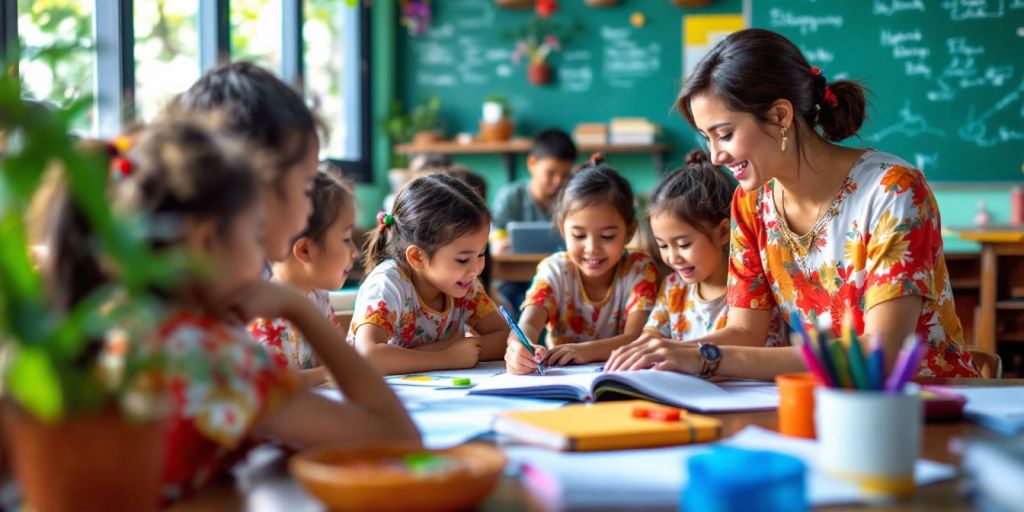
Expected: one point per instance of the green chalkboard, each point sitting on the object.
(947, 76)
(610, 68)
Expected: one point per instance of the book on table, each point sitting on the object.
(588, 383)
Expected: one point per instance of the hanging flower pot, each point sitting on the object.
(514, 4)
(539, 73)
(90, 462)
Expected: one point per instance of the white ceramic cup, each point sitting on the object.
(870, 437)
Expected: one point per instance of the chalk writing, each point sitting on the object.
(909, 125)
(806, 23)
(890, 7)
(626, 60)
(976, 128)
(575, 79)
(960, 10)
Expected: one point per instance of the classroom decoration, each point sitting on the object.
(637, 19)
(602, 3)
(546, 8)
(514, 4)
(415, 16)
(495, 124)
(536, 41)
(421, 125)
(77, 380)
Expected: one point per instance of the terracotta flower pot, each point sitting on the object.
(538, 74)
(85, 463)
(498, 131)
(425, 137)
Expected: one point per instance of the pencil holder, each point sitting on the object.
(796, 404)
(872, 438)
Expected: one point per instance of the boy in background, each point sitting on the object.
(549, 163)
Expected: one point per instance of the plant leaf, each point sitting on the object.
(35, 384)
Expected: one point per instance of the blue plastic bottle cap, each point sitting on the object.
(730, 479)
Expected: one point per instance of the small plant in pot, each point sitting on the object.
(82, 390)
(495, 123)
(425, 122)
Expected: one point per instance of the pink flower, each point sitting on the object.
(552, 41)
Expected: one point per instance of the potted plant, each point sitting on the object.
(536, 41)
(64, 392)
(495, 124)
(425, 122)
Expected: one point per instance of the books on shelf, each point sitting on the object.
(632, 131)
(590, 134)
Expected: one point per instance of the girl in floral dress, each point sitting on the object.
(689, 215)
(817, 227)
(320, 260)
(421, 293)
(594, 296)
(225, 390)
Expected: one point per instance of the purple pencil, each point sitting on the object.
(906, 364)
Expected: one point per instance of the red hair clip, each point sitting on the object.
(830, 97)
(121, 167)
(384, 219)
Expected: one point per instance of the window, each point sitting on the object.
(256, 32)
(336, 61)
(57, 54)
(166, 52)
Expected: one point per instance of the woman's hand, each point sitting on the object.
(657, 353)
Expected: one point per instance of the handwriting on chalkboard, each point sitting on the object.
(891, 7)
(960, 10)
(472, 14)
(805, 23)
(910, 124)
(626, 60)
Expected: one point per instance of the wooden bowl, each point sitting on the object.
(395, 477)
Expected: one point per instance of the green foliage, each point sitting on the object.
(500, 100)
(54, 356)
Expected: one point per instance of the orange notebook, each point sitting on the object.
(608, 426)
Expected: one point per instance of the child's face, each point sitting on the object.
(237, 255)
(690, 252)
(331, 259)
(288, 205)
(454, 267)
(736, 140)
(595, 238)
(547, 175)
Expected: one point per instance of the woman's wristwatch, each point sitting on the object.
(711, 357)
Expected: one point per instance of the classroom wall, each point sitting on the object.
(958, 204)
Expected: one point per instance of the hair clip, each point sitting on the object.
(385, 219)
(830, 97)
(596, 159)
(121, 167)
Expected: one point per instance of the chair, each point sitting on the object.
(991, 365)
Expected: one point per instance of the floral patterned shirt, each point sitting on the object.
(574, 317)
(879, 240)
(680, 314)
(388, 299)
(281, 337)
(221, 384)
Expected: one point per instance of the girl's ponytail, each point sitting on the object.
(376, 249)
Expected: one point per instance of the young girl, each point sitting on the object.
(689, 215)
(320, 260)
(596, 295)
(224, 388)
(421, 291)
(274, 121)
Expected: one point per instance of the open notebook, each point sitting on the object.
(587, 383)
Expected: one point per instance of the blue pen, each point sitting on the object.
(522, 337)
(876, 363)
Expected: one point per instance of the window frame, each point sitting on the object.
(115, 93)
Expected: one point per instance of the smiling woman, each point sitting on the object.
(818, 229)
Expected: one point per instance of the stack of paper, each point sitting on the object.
(633, 131)
(999, 408)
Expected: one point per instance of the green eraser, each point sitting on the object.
(461, 381)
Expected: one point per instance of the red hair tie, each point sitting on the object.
(830, 97)
(384, 220)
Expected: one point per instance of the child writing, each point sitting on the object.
(320, 260)
(596, 295)
(224, 388)
(689, 215)
(421, 291)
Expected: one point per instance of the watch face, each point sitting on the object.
(710, 352)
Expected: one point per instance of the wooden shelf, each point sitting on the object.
(508, 150)
(1010, 305)
(965, 284)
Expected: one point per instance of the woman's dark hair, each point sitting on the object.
(699, 194)
(258, 107)
(429, 212)
(751, 69)
(330, 193)
(595, 183)
(180, 170)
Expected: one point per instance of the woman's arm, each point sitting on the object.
(598, 350)
(372, 343)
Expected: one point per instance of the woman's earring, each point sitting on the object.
(785, 139)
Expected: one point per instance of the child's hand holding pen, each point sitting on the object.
(521, 356)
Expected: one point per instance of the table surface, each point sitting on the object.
(268, 486)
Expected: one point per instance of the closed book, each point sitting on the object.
(608, 426)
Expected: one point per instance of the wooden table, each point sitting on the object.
(515, 267)
(269, 487)
(996, 241)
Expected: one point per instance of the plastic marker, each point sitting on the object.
(522, 337)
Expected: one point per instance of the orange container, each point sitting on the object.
(796, 404)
